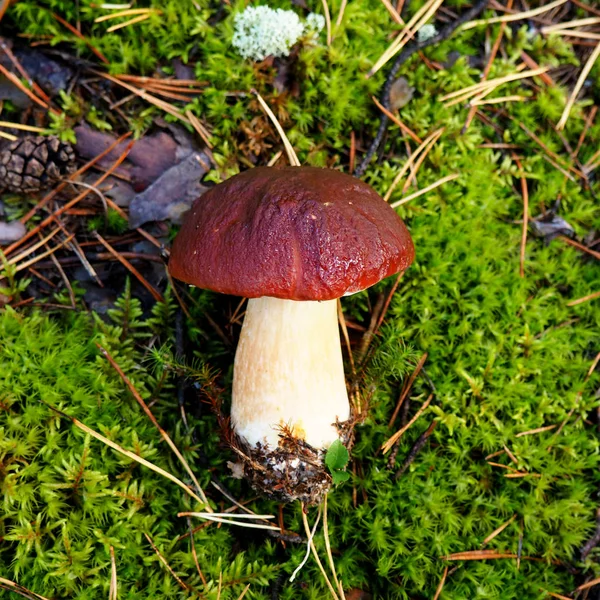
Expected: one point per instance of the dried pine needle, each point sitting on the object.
(514, 17)
(128, 453)
(428, 141)
(498, 531)
(316, 555)
(128, 23)
(580, 81)
(426, 190)
(292, 158)
(212, 517)
(387, 446)
(126, 13)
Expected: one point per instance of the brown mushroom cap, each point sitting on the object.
(297, 233)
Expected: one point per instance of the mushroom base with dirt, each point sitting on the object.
(289, 399)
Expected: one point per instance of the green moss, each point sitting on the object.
(506, 353)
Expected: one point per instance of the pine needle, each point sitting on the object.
(492, 84)
(316, 555)
(200, 129)
(125, 13)
(418, 20)
(498, 531)
(327, 21)
(212, 517)
(153, 291)
(338, 585)
(152, 418)
(514, 98)
(537, 430)
(128, 23)
(387, 446)
(113, 590)
(570, 24)
(482, 555)
(8, 136)
(429, 140)
(588, 585)
(440, 586)
(426, 190)
(584, 299)
(128, 453)
(163, 560)
(31, 249)
(580, 81)
(521, 16)
(292, 158)
(393, 12)
(23, 127)
(36, 259)
(11, 586)
(310, 535)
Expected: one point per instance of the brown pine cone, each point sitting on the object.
(33, 163)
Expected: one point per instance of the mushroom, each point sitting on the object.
(291, 240)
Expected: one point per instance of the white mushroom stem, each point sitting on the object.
(288, 372)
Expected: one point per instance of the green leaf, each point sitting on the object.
(337, 456)
(339, 477)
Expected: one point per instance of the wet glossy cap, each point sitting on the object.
(296, 233)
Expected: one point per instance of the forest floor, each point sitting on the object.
(483, 133)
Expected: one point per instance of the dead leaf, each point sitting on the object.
(172, 194)
(11, 232)
(549, 226)
(149, 158)
(401, 93)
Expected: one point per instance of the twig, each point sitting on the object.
(406, 53)
(593, 541)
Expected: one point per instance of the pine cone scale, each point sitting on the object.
(34, 163)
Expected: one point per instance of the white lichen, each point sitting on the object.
(314, 23)
(261, 31)
(426, 32)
